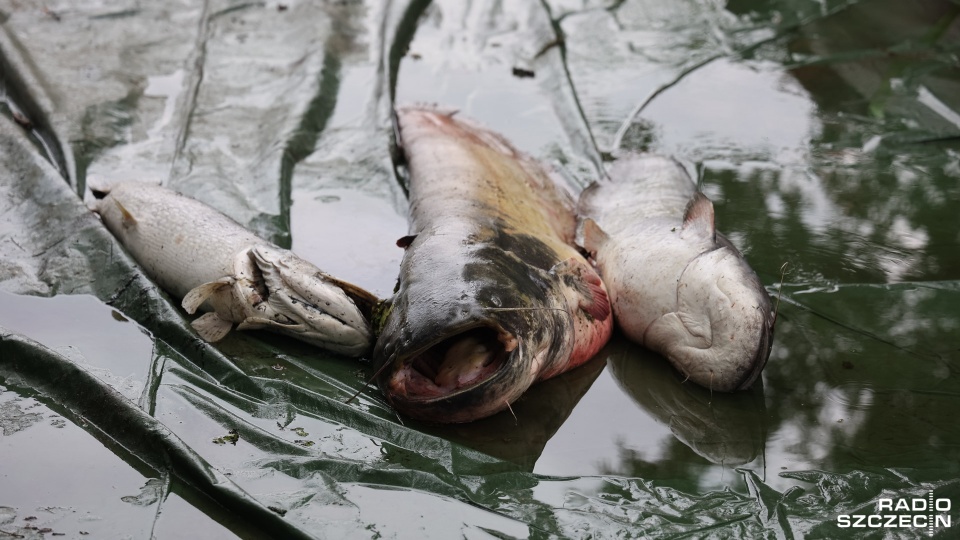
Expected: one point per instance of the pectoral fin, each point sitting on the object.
(593, 236)
(595, 300)
(126, 217)
(675, 331)
(211, 327)
(698, 217)
(198, 295)
(593, 295)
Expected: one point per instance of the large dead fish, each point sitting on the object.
(677, 286)
(212, 263)
(491, 295)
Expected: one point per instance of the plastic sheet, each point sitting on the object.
(825, 132)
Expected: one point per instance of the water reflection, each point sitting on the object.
(824, 131)
(520, 434)
(803, 150)
(76, 326)
(35, 487)
(877, 369)
(791, 156)
(725, 429)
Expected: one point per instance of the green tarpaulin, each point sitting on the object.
(827, 134)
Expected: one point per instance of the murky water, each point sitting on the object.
(826, 134)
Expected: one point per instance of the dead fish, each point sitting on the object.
(492, 296)
(677, 286)
(200, 255)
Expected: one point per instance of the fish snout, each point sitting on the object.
(295, 298)
(464, 375)
(721, 334)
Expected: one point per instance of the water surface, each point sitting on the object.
(826, 133)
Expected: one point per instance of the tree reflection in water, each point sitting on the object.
(860, 197)
(826, 132)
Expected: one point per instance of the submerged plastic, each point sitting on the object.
(826, 133)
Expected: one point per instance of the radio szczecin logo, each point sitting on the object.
(913, 513)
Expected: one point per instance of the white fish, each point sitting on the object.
(676, 285)
(213, 264)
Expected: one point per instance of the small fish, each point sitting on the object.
(215, 265)
(676, 285)
(492, 295)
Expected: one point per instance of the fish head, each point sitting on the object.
(721, 332)
(279, 291)
(462, 342)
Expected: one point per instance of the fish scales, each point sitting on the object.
(179, 260)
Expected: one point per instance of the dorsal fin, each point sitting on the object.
(405, 241)
(699, 216)
(593, 236)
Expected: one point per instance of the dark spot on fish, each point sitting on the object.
(527, 248)
(523, 73)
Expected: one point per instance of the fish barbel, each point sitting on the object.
(492, 296)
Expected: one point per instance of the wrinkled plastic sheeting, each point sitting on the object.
(222, 100)
(326, 495)
(329, 496)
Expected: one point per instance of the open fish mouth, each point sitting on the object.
(453, 365)
(288, 295)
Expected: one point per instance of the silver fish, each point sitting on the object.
(196, 253)
(676, 285)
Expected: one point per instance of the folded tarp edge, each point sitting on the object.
(54, 376)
